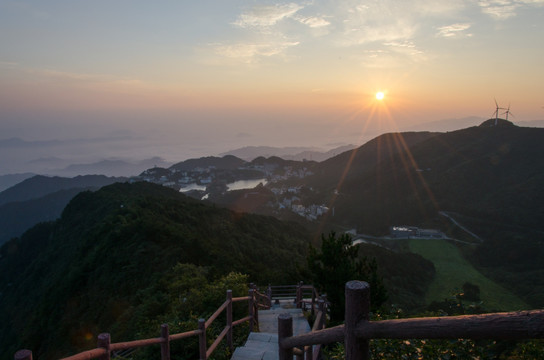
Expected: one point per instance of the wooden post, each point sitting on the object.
(285, 330)
(229, 321)
(165, 346)
(269, 294)
(309, 351)
(323, 310)
(104, 341)
(202, 346)
(298, 300)
(313, 301)
(251, 309)
(357, 311)
(23, 355)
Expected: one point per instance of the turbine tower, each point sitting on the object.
(496, 113)
(508, 112)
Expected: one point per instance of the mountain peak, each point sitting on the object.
(497, 122)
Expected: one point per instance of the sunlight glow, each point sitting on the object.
(380, 95)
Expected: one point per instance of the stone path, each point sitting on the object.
(263, 345)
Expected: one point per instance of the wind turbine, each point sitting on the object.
(496, 113)
(507, 112)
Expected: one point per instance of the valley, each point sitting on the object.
(462, 236)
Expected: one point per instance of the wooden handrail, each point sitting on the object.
(217, 341)
(217, 313)
(136, 344)
(105, 348)
(358, 330)
(85, 355)
(325, 336)
(242, 298)
(507, 325)
(184, 335)
(241, 321)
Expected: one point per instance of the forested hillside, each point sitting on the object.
(128, 257)
(105, 265)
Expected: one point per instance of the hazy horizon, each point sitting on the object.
(56, 156)
(132, 80)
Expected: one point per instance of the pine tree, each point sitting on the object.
(337, 263)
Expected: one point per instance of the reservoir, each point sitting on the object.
(193, 186)
(245, 184)
(236, 185)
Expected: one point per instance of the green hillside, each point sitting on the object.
(452, 271)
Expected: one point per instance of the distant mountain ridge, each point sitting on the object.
(40, 185)
(227, 162)
(109, 167)
(19, 216)
(42, 198)
(250, 153)
(7, 181)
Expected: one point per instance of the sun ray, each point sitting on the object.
(379, 112)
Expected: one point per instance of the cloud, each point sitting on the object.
(505, 9)
(313, 21)
(376, 21)
(367, 33)
(407, 48)
(499, 9)
(531, 2)
(266, 16)
(437, 7)
(84, 78)
(251, 52)
(454, 31)
(8, 64)
(268, 38)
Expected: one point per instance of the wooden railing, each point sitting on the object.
(105, 347)
(307, 298)
(304, 296)
(358, 330)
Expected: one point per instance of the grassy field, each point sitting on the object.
(452, 271)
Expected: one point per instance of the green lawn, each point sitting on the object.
(452, 271)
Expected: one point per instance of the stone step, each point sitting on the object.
(259, 346)
(263, 345)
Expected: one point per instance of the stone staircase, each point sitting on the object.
(263, 345)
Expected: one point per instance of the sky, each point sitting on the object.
(85, 80)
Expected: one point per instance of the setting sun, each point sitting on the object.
(380, 95)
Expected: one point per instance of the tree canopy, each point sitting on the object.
(337, 263)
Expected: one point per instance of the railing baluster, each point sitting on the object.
(357, 311)
(298, 300)
(165, 346)
(202, 339)
(285, 330)
(251, 309)
(104, 341)
(23, 355)
(229, 321)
